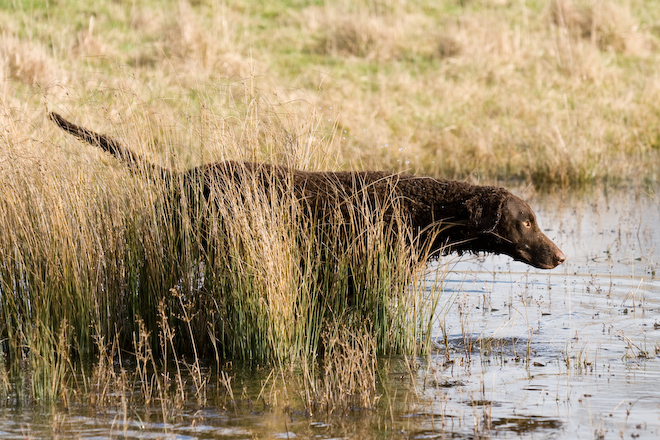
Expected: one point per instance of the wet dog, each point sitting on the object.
(445, 215)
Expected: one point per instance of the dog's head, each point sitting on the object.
(505, 224)
(519, 236)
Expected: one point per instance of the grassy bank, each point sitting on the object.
(552, 92)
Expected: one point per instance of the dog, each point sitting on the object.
(445, 215)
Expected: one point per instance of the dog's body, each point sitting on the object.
(478, 218)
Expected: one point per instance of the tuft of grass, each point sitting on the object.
(92, 252)
(608, 25)
(349, 369)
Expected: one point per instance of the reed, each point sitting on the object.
(92, 252)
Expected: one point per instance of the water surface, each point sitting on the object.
(571, 352)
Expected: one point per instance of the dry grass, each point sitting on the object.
(349, 370)
(91, 253)
(558, 92)
(607, 25)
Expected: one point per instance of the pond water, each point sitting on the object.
(572, 352)
(521, 353)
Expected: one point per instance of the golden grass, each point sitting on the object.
(95, 266)
(558, 92)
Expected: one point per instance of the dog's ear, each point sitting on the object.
(484, 211)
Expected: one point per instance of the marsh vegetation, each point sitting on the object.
(106, 303)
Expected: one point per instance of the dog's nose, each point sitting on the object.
(559, 257)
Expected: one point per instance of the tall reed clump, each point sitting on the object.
(279, 278)
(92, 252)
(72, 260)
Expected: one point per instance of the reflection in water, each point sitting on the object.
(522, 425)
(521, 353)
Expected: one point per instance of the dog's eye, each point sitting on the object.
(527, 224)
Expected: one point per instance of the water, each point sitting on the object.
(571, 352)
(521, 353)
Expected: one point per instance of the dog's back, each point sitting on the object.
(446, 215)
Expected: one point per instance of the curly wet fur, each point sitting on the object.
(455, 215)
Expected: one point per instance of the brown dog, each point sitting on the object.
(480, 218)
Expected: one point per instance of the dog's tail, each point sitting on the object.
(133, 160)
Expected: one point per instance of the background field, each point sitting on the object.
(551, 92)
